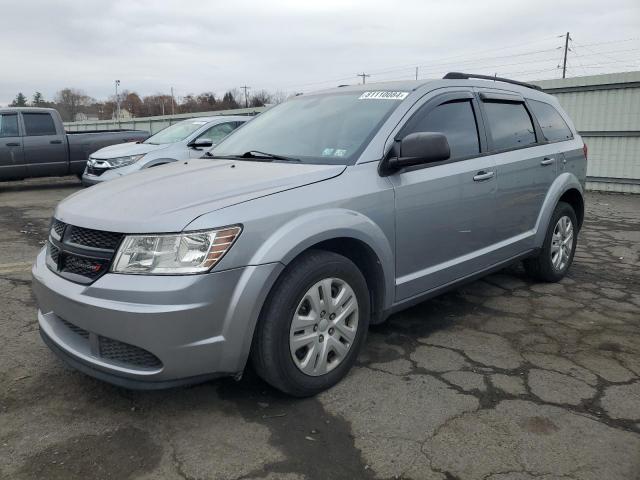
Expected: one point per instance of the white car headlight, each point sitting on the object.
(123, 161)
(174, 254)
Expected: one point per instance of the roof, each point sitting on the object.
(413, 85)
(27, 109)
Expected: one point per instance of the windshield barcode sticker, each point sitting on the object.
(383, 95)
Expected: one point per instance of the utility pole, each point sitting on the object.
(364, 76)
(117, 101)
(173, 103)
(246, 97)
(564, 62)
(416, 73)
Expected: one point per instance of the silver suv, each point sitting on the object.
(324, 215)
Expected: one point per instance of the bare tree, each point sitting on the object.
(260, 99)
(278, 97)
(132, 103)
(69, 102)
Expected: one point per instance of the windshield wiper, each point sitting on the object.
(255, 155)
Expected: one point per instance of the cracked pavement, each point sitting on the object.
(501, 379)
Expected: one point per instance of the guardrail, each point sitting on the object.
(152, 124)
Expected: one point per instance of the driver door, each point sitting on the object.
(444, 211)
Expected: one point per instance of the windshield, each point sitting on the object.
(175, 133)
(331, 128)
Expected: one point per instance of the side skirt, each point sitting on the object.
(411, 301)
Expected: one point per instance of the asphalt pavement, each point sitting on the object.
(501, 379)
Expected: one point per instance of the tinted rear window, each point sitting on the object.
(554, 128)
(510, 125)
(38, 124)
(8, 125)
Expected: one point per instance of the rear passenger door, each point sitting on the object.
(525, 168)
(445, 210)
(45, 148)
(11, 154)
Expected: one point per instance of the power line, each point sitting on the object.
(431, 67)
(413, 65)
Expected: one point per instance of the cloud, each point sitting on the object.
(296, 45)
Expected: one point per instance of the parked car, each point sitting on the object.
(181, 141)
(325, 214)
(33, 143)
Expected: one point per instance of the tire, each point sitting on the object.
(542, 267)
(321, 362)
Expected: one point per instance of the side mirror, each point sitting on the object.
(201, 143)
(420, 148)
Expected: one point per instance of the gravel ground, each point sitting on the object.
(502, 379)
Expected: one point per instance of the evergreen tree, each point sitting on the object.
(38, 99)
(19, 101)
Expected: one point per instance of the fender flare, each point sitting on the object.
(563, 182)
(301, 233)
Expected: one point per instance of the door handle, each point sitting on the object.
(13, 144)
(55, 142)
(547, 161)
(482, 175)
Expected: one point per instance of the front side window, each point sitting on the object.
(331, 128)
(218, 132)
(175, 133)
(37, 124)
(456, 121)
(8, 125)
(553, 126)
(510, 125)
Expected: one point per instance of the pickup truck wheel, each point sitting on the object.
(313, 324)
(556, 256)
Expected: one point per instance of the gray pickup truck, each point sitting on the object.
(33, 143)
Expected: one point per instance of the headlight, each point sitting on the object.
(123, 161)
(174, 254)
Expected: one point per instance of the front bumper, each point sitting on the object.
(88, 179)
(195, 326)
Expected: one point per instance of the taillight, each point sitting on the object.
(585, 150)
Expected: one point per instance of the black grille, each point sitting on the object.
(58, 227)
(94, 238)
(86, 267)
(75, 329)
(96, 171)
(54, 252)
(80, 254)
(116, 351)
(128, 354)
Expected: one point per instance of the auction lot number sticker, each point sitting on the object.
(383, 95)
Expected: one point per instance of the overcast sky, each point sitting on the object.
(300, 45)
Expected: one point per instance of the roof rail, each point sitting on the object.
(466, 76)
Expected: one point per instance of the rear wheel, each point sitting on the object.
(313, 324)
(556, 256)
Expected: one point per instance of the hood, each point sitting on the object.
(169, 197)
(126, 149)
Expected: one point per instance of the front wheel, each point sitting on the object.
(313, 324)
(556, 256)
